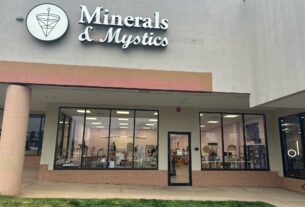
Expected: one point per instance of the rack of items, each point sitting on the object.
(256, 154)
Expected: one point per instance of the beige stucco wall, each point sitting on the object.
(274, 145)
(277, 41)
(204, 36)
(185, 121)
(49, 137)
(253, 46)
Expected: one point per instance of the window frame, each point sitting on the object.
(244, 139)
(42, 122)
(110, 110)
(42, 119)
(284, 144)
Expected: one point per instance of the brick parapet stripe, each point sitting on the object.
(104, 77)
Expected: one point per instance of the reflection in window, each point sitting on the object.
(222, 141)
(34, 135)
(1, 118)
(95, 149)
(255, 142)
(211, 141)
(146, 134)
(106, 138)
(233, 141)
(121, 139)
(69, 143)
(293, 141)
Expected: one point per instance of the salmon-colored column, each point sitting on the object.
(13, 138)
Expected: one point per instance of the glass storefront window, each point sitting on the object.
(121, 139)
(233, 141)
(34, 135)
(69, 146)
(146, 137)
(95, 151)
(255, 142)
(292, 135)
(107, 138)
(211, 141)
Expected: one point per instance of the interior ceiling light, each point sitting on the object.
(201, 114)
(96, 123)
(82, 111)
(156, 113)
(213, 122)
(123, 127)
(153, 120)
(123, 119)
(122, 112)
(202, 126)
(287, 124)
(146, 128)
(122, 124)
(231, 116)
(91, 118)
(100, 127)
(149, 124)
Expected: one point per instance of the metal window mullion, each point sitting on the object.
(283, 147)
(200, 145)
(222, 140)
(83, 140)
(302, 137)
(134, 133)
(158, 141)
(245, 144)
(109, 134)
(40, 137)
(73, 139)
(266, 143)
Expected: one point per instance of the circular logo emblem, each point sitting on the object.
(47, 22)
(292, 153)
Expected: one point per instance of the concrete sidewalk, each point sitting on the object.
(35, 189)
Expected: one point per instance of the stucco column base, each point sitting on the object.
(13, 138)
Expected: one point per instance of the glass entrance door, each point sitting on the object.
(179, 158)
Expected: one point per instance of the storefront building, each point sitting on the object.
(197, 93)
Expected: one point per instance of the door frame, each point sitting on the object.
(190, 158)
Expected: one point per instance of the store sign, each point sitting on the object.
(118, 28)
(179, 152)
(47, 22)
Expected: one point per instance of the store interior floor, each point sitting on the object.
(33, 188)
(182, 174)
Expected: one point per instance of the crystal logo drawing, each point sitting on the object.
(47, 22)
